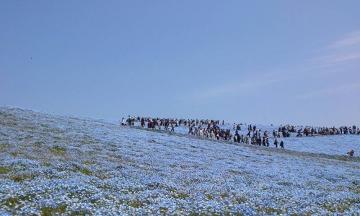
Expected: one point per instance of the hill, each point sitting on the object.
(66, 165)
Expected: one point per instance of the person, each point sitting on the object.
(190, 130)
(123, 122)
(258, 140)
(282, 144)
(299, 133)
(264, 141)
(237, 137)
(128, 121)
(238, 127)
(274, 134)
(142, 122)
(351, 153)
(276, 143)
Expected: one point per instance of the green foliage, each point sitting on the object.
(11, 202)
(135, 203)
(58, 150)
(85, 171)
(88, 162)
(4, 170)
(180, 195)
(3, 147)
(49, 211)
(22, 177)
(80, 213)
(240, 199)
(14, 154)
(176, 194)
(269, 210)
(224, 195)
(355, 187)
(340, 207)
(16, 202)
(209, 197)
(163, 210)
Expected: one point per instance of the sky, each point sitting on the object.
(265, 62)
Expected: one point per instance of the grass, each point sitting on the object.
(135, 203)
(80, 213)
(105, 186)
(11, 202)
(3, 147)
(85, 171)
(163, 210)
(15, 153)
(58, 150)
(4, 170)
(240, 199)
(14, 202)
(224, 195)
(269, 210)
(355, 187)
(209, 197)
(49, 211)
(340, 207)
(89, 162)
(225, 213)
(178, 195)
(22, 177)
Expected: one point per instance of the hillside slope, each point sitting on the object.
(52, 164)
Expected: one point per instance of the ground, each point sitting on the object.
(65, 165)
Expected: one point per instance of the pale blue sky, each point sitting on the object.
(250, 61)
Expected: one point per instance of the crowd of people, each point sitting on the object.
(211, 129)
(326, 131)
(286, 131)
(215, 129)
